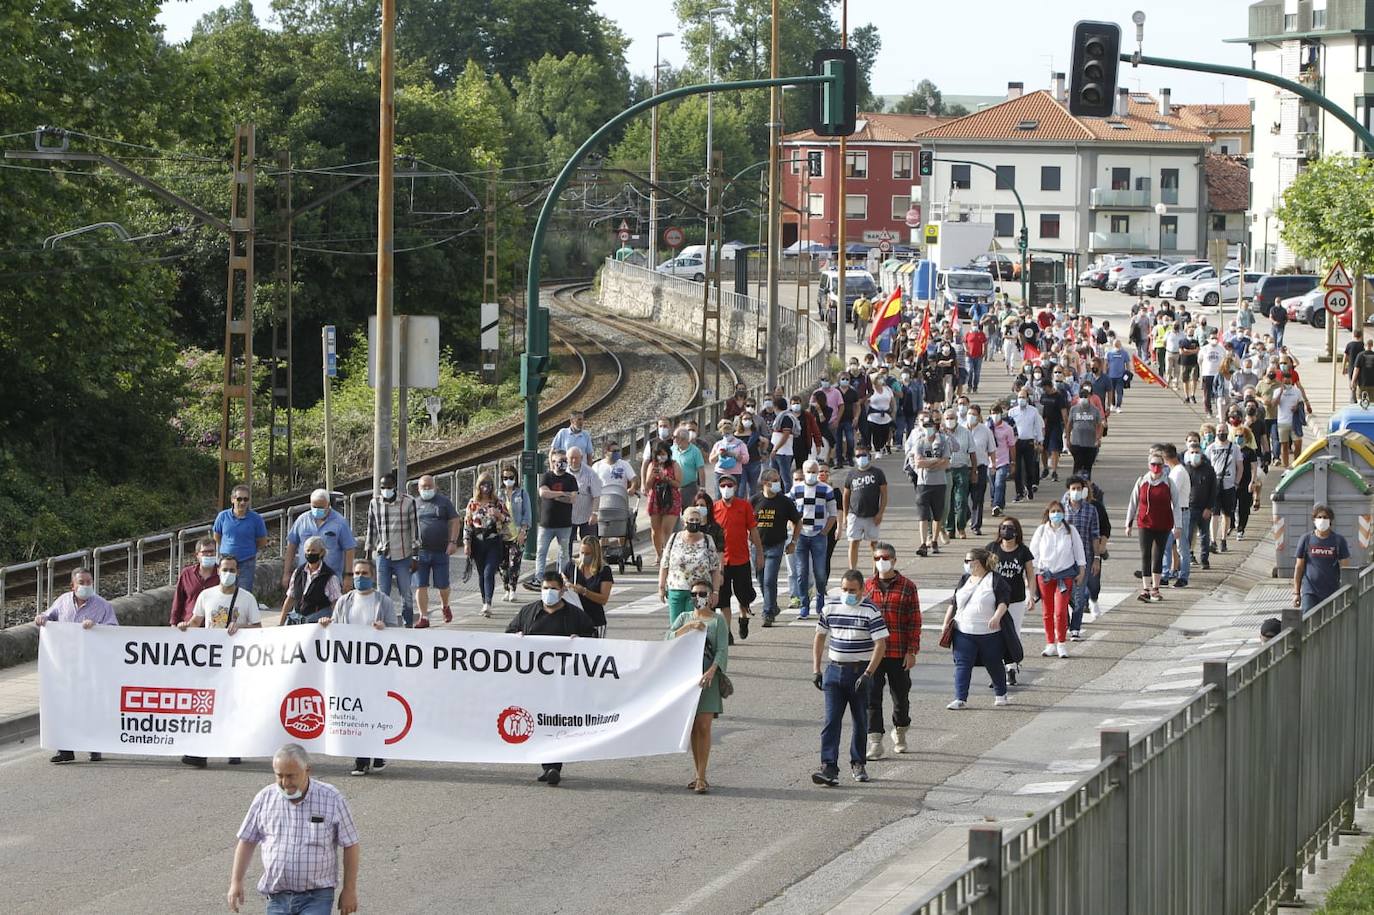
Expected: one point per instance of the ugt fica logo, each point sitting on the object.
(515, 725)
(302, 713)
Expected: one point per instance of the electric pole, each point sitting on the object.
(770, 357)
(386, 166)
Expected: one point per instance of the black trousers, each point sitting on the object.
(1027, 467)
(1084, 456)
(977, 491)
(891, 674)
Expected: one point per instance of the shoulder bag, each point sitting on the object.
(723, 681)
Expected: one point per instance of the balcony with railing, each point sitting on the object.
(1111, 198)
(1120, 241)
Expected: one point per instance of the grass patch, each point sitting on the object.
(1354, 895)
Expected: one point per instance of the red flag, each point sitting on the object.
(885, 316)
(923, 335)
(1144, 371)
(1030, 353)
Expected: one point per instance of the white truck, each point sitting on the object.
(956, 244)
(965, 288)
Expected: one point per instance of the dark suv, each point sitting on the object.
(1277, 287)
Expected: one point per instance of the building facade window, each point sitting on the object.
(1006, 177)
(1218, 222)
(959, 177)
(1004, 225)
(794, 160)
(1168, 185)
(856, 164)
(815, 206)
(1168, 233)
(1363, 104)
(1049, 177)
(1364, 53)
(1318, 19)
(1121, 225)
(815, 160)
(1290, 22)
(855, 206)
(1121, 179)
(1049, 225)
(900, 204)
(901, 165)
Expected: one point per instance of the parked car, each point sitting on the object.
(857, 282)
(1210, 292)
(1311, 308)
(1096, 274)
(690, 266)
(1148, 284)
(1274, 288)
(1131, 268)
(1178, 287)
(1001, 266)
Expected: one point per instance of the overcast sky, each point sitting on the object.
(972, 47)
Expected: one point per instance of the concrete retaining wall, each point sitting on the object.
(677, 304)
(19, 644)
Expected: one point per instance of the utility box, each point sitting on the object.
(1354, 417)
(1328, 481)
(1347, 445)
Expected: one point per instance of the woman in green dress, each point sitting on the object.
(704, 617)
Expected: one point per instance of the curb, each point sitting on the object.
(19, 728)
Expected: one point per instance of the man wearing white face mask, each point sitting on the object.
(552, 615)
(774, 511)
(895, 595)
(79, 605)
(441, 532)
(927, 457)
(393, 543)
(232, 608)
(865, 502)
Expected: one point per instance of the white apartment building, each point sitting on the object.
(1131, 183)
(1327, 45)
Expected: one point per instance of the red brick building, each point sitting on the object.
(880, 184)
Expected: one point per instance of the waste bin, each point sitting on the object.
(1328, 481)
(1346, 445)
(1354, 417)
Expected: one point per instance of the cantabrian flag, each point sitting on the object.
(1030, 354)
(1144, 371)
(885, 316)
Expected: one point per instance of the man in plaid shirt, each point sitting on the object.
(895, 595)
(393, 541)
(1080, 512)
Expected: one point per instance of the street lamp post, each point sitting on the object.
(653, 158)
(711, 15)
(1160, 209)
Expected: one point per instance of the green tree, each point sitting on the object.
(567, 98)
(926, 98)
(1327, 215)
(866, 44)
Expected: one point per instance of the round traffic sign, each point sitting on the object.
(672, 237)
(1338, 301)
(624, 235)
(885, 246)
(913, 217)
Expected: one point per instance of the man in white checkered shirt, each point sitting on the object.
(298, 821)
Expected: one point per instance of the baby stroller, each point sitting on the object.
(615, 528)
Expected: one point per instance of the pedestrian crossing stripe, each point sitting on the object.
(936, 599)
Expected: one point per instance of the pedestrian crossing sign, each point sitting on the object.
(1338, 277)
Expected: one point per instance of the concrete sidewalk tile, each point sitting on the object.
(912, 873)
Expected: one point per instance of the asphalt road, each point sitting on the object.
(142, 835)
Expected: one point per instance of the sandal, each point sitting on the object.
(702, 787)
(923, 550)
(1143, 596)
(692, 785)
(1155, 595)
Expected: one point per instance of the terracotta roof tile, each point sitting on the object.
(1215, 117)
(1228, 184)
(1053, 122)
(878, 127)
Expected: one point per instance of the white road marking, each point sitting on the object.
(693, 902)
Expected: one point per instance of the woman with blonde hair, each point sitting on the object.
(485, 521)
(590, 579)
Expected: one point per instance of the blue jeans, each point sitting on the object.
(249, 567)
(975, 371)
(399, 570)
(838, 683)
(749, 479)
(984, 650)
(782, 463)
(1185, 561)
(793, 575)
(1090, 588)
(1276, 331)
(1118, 391)
(486, 556)
(844, 443)
(310, 902)
(811, 553)
(547, 535)
(768, 577)
(999, 485)
(1203, 527)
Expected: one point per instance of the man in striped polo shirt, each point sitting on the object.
(858, 640)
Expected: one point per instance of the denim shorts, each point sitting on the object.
(437, 560)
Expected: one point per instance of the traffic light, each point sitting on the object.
(1096, 50)
(835, 104)
(532, 373)
(927, 163)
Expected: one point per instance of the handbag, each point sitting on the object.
(1012, 649)
(723, 681)
(947, 633)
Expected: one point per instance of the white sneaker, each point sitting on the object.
(1063, 652)
(1093, 607)
(1048, 652)
(1002, 700)
(486, 610)
(956, 705)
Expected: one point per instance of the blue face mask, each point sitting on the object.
(319, 513)
(851, 600)
(1056, 517)
(363, 583)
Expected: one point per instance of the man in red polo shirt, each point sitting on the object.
(200, 575)
(736, 519)
(975, 348)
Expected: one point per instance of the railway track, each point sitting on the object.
(601, 379)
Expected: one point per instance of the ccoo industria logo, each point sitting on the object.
(302, 713)
(166, 700)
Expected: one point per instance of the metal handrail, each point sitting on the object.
(961, 890)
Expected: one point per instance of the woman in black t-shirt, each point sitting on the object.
(591, 580)
(1013, 563)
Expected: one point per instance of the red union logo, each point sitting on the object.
(302, 713)
(166, 700)
(515, 725)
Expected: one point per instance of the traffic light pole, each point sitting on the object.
(534, 361)
(1022, 243)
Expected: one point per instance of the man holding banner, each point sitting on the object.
(79, 605)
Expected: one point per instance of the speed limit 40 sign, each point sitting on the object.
(1338, 301)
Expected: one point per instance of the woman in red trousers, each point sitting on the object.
(1057, 551)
